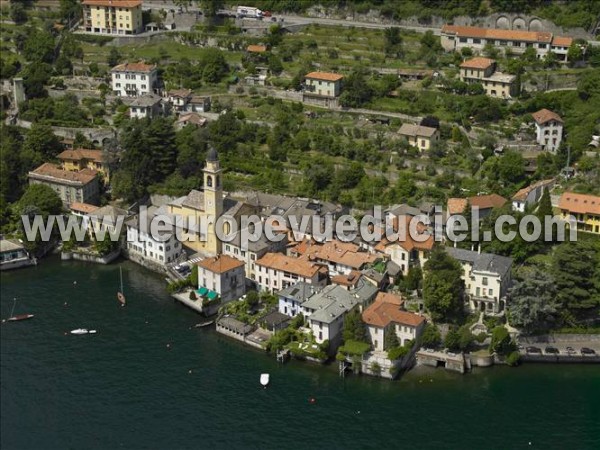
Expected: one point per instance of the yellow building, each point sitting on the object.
(112, 16)
(419, 136)
(584, 208)
(197, 206)
(82, 158)
(483, 71)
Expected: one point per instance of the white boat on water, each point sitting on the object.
(81, 331)
(264, 379)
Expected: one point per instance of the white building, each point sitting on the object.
(548, 129)
(250, 253)
(147, 105)
(224, 275)
(455, 38)
(276, 271)
(385, 315)
(292, 298)
(530, 195)
(134, 79)
(487, 279)
(483, 71)
(141, 244)
(325, 310)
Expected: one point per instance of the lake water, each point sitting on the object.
(124, 388)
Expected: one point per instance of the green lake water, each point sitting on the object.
(124, 388)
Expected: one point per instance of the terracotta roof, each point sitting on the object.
(562, 41)
(487, 201)
(117, 3)
(457, 205)
(256, 48)
(408, 129)
(579, 203)
(220, 264)
(82, 207)
(192, 118)
(522, 194)
(49, 170)
(296, 266)
(326, 76)
(545, 115)
(81, 153)
(338, 252)
(493, 33)
(404, 238)
(351, 279)
(134, 67)
(477, 63)
(389, 298)
(179, 93)
(382, 312)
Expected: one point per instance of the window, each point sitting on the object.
(484, 281)
(143, 77)
(476, 41)
(462, 39)
(252, 257)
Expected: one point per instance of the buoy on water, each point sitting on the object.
(312, 400)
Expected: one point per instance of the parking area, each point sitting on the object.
(587, 348)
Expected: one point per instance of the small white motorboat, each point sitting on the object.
(80, 331)
(264, 379)
(92, 332)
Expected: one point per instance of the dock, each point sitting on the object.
(450, 361)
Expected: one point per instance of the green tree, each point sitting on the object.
(443, 288)
(392, 41)
(114, 57)
(41, 143)
(575, 53)
(533, 301)
(501, 343)
(356, 91)
(213, 64)
(40, 198)
(391, 339)
(252, 298)
(431, 336)
(544, 208)
(17, 13)
(70, 9)
(576, 270)
(39, 46)
(452, 339)
(354, 327)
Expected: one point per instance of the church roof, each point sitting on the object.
(212, 154)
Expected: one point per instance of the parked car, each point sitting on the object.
(534, 350)
(587, 351)
(552, 350)
(570, 350)
(273, 19)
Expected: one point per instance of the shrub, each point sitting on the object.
(193, 296)
(376, 368)
(397, 353)
(513, 358)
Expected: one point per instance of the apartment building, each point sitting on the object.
(548, 129)
(455, 38)
(134, 79)
(584, 208)
(223, 275)
(483, 70)
(322, 88)
(277, 271)
(81, 186)
(83, 158)
(112, 16)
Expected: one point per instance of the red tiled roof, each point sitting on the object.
(545, 115)
(522, 194)
(83, 207)
(134, 67)
(297, 266)
(347, 280)
(325, 76)
(579, 203)
(386, 310)
(53, 171)
(477, 63)
(562, 41)
(494, 33)
(220, 264)
(487, 201)
(457, 205)
(256, 48)
(81, 153)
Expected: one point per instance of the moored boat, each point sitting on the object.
(80, 331)
(19, 317)
(264, 379)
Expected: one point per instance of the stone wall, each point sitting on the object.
(150, 265)
(87, 257)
